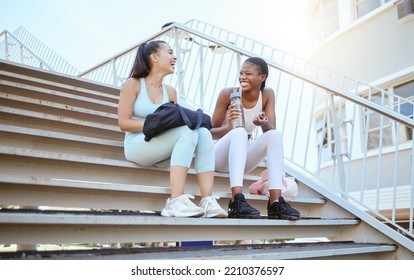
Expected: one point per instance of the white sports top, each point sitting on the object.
(249, 115)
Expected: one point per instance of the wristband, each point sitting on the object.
(267, 121)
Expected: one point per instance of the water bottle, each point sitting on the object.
(236, 103)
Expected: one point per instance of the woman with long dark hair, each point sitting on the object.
(141, 95)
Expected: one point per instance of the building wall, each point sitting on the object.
(371, 48)
(376, 47)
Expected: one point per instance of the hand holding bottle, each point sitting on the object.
(235, 115)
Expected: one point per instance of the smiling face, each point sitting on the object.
(251, 77)
(165, 58)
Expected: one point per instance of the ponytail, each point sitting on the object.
(142, 66)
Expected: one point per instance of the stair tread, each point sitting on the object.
(280, 251)
(83, 159)
(57, 105)
(92, 97)
(57, 118)
(59, 135)
(38, 75)
(131, 218)
(119, 187)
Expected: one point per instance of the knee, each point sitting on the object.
(188, 135)
(205, 140)
(274, 136)
(239, 133)
(204, 135)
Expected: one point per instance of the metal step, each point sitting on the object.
(45, 226)
(58, 109)
(57, 81)
(281, 251)
(22, 115)
(19, 161)
(71, 193)
(73, 97)
(20, 131)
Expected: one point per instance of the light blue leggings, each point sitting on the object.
(180, 144)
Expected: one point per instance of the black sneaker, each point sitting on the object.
(239, 208)
(281, 210)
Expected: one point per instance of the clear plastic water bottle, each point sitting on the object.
(236, 103)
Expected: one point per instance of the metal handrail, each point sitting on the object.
(42, 62)
(177, 27)
(120, 54)
(21, 42)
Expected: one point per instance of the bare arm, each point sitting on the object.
(172, 93)
(129, 93)
(268, 110)
(219, 129)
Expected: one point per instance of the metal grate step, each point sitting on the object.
(280, 251)
(41, 227)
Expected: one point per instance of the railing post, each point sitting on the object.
(6, 46)
(115, 76)
(180, 71)
(411, 209)
(200, 49)
(336, 122)
(21, 55)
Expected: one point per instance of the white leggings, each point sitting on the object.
(234, 154)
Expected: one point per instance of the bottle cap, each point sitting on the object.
(235, 94)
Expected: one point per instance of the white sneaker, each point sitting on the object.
(182, 206)
(211, 208)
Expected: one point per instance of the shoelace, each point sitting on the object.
(286, 207)
(185, 198)
(210, 199)
(242, 203)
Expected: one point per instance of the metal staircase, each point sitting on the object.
(62, 163)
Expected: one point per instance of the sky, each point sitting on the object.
(86, 32)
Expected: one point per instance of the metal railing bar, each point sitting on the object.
(324, 132)
(411, 209)
(396, 168)
(309, 125)
(356, 99)
(379, 162)
(295, 138)
(29, 51)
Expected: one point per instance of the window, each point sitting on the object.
(363, 7)
(325, 20)
(325, 139)
(402, 101)
(404, 104)
(406, 92)
(321, 141)
(375, 125)
(329, 16)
